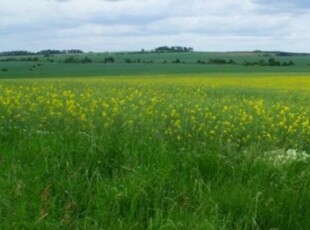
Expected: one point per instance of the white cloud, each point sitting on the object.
(133, 24)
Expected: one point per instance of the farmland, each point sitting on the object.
(148, 151)
(150, 63)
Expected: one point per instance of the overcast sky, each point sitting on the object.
(115, 25)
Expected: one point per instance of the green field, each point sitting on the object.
(188, 64)
(155, 146)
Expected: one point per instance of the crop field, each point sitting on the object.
(159, 152)
(151, 63)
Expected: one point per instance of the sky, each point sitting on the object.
(132, 25)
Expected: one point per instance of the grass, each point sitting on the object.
(43, 67)
(154, 153)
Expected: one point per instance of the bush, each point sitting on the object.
(109, 60)
(231, 61)
(217, 61)
(4, 69)
(86, 60)
(200, 62)
(70, 59)
(269, 62)
(177, 61)
(128, 61)
(148, 61)
(220, 61)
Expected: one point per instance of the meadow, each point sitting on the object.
(155, 152)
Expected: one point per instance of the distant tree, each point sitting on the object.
(269, 62)
(217, 61)
(4, 69)
(173, 49)
(8, 59)
(29, 59)
(128, 61)
(147, 61)
(273, 62)
(291, 63)
(108, 60)
(162, 49)
(177, 61)
(85, 60)
(16, 53)
(50, 52)
(200, 62)
(70, 59)
(231, 61)
(74, 51)
(261, 62)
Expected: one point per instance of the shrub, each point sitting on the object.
(70, 59)
(109, 60)
(200, 62)
(177, 61)
(86, 60)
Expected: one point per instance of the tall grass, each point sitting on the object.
(151, 154)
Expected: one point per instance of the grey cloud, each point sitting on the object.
(106, 24)
(289, 4)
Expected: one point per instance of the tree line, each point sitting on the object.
(19, 59)
(269, 62)
(173, 49)
(42, 52)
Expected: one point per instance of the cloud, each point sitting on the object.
(130, 24)
(281, 3)
(285, 6)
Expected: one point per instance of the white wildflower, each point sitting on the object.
(281, 157)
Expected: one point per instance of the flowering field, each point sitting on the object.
(182, 111)
(155, 153)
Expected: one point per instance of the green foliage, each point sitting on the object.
(177, 61)
(109, 60)
(270, 62)
(72, 59)
(85, 60)
(121, 170)
(221, 61)
(11, 59)
(128, 61)
(173, 49)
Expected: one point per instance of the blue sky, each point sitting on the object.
(114, 25)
